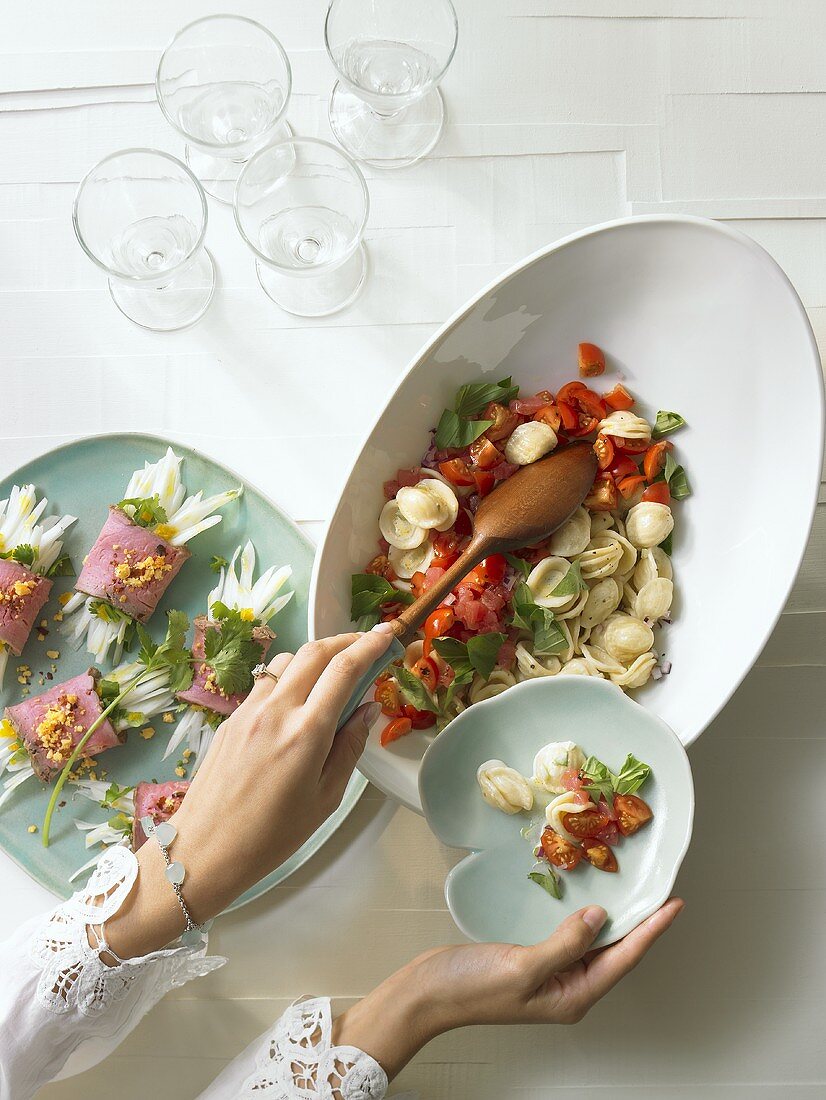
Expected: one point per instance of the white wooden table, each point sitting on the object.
(562, 113)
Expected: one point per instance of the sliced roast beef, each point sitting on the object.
(22, 596)
(204, 692)
(157, 800)
(130, 566)
(50, 725)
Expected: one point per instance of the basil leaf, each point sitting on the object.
(548, 636)
(571, 583)
(453, 431)
(368, 621)
(474, 396)
(456, 654)
(482, 651)
(369, 592)
(667, 544)
(549, 882)
(666, 422)
(522, 605)
(61, 568)
(632, 775)
(412, 689)
(519, 564)
(601, 779)
(678, 482)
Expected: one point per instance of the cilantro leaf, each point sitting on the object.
(549, 881)
(144, 511)
(369, 592)
(666, 422)
(218, 563)
(230, 650)
(571, 583)
(24, 554)
(113, 794)
(474, 396)
(453, 431)
(632, 775)
(108, 691)
(62, 567)
(120, 823)
(412, 689)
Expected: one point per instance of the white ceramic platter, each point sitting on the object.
(698, 319)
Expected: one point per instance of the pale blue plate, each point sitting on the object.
(488, 893)
(82, 478)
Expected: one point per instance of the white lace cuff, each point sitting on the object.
(296, 1060)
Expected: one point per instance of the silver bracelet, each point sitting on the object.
(165, 833)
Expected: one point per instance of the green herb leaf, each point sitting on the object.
(632, 775)
(676, 477)
(519, 564)
(108, 691)
(454, 431)
(148, 647)
(482, 651)
(601, 779)
(369, 592)
(456, 654)
(144, 511)
(120, 823)
(474, 396)
(412, 689)
(113, 794)
(522, 606)
(667, 544)
(24, 555)
(218, 563)
(548, 635)
(367, 622)
(229, 649)
(666, 422)
(549, 881)
(61, 568)
(571, 583)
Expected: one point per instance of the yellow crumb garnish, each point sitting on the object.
(24, 588)
(44, 624)
(58, 616)
(166, 531)
(187, 754)
(53, 654)
(32, 829)
(6, 729)
(180, 772)
(64, 598)
(148, 732)
(167, 717)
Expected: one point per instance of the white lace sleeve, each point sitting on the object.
(296, 1060)
(62, 1009)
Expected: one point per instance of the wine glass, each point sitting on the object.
(386, 109)
(224, 83)
(302, 206)
(141, 216)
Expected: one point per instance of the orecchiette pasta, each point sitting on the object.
(625, 424)
(564, 804)
(530, 667)
(653, 600)
(601, 521)
(637, 673)
(500, 680)
(544, 578)
(529, 442)
(574, 535)
(603, 599)
(602, 557)
(397, 530)
(503, 787)
(407, 562)
(428, 504)
(626, 637)
(413, 652)
(600, 662)
(578, 666)
(648, 523)
(551, 763)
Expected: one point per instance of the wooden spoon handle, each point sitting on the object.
(414, 614)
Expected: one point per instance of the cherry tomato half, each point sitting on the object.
(591, 360)
(504, 421)
(399, 727)
(632, 813)
(484, 481)
(387, 694)
(550, 415)
(419, 719)
(584, 824)
(603, 494)
(623, 466)
(559, 851)
(456, 471)
(599, 855)
(618, 398)
(658, 493)
(629, 446)
(629, 485)
(436, 625)
(427, 671)
(569, 392)
(417, 584)
(570, 419)
(380, 567)
(484, 453)
(491, 570)
(654, 459)
(604, 449)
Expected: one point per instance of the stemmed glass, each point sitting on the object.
(302, 206)
(224, 83)
(141, 216)
(386, 109)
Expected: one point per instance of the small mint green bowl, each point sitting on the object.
(489, 894)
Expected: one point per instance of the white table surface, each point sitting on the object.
(563, 113)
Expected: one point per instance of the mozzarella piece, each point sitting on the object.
(529, 442)
(431, 503)
(407, 562)
(564, 804)
(398, 530)
(552, 761)
(543, 579)
(626, 638)
(648, 523)
(503, 787)
(573, 536)
(625, 424)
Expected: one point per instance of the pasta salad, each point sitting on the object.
(585, 602)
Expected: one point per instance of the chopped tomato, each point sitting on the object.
(632, 813)
(436, 625)
(603, 494)
(585, 823)
(604, 449)
(622, 466)
(417, 584)
(380, 567)
(586, 425)
(629, 446)
(463, 525)
(580, 408)
(571, 780)
(427, 671)
(387, 695)
(629, 485)
(484, 453)
(550, 415)
(484, 481)
(559, 851)
(408, 477)
(383, 676)
(569, 392)
(591, 360)
(399, 727)
(654, 460)
(658, 493)
(419, 719)
(504, 421)
(491, 570)
(527, 406)
(599, 855)
(618, 398)
(456, 471)
(570, 420)
(591, 404)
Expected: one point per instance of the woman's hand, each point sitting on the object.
(557, 982)
(275, 771)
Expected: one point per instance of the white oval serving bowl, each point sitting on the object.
(700, 320)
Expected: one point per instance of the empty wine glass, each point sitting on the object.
(302, 207)
(224, 83)
(141, 216)
(390, 55)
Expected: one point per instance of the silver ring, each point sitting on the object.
(262, 670)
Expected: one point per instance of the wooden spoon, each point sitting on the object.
(521, 511)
